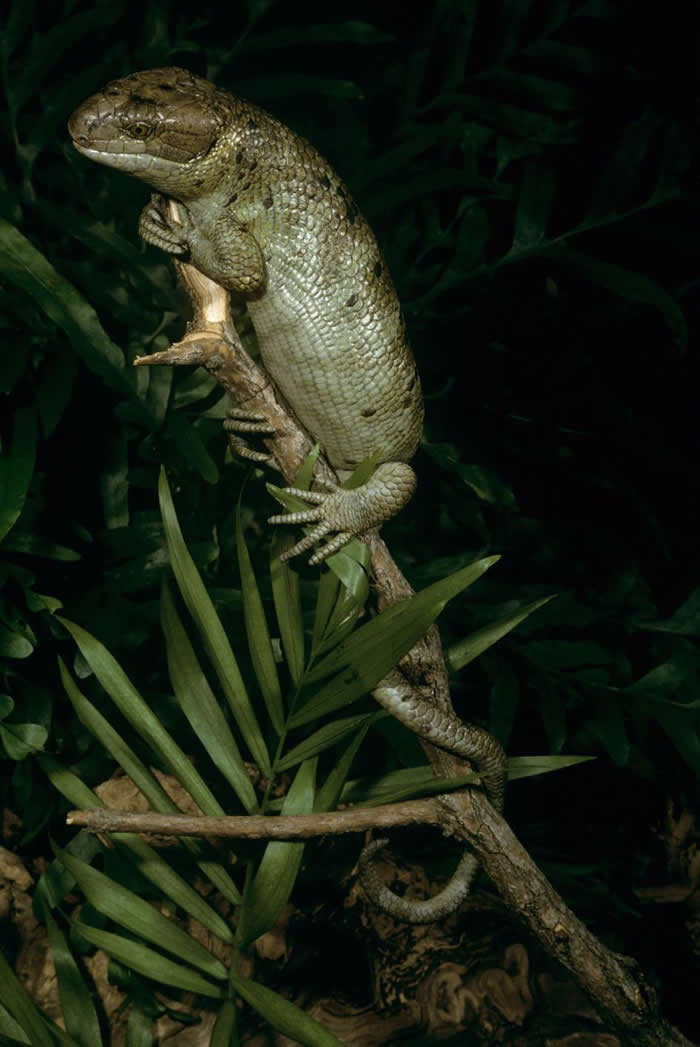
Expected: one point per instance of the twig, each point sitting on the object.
(257, 826)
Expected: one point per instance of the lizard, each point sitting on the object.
(263, 215)
(266, 217)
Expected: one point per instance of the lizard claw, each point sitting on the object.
(238, 422)
(157, 227)
(349, 513)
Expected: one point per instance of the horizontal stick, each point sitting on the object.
(258, 827)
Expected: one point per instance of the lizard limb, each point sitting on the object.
(350, 513)
(248, 422)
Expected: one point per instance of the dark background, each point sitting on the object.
(530, 169)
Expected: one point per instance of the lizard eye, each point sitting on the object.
(139, 130)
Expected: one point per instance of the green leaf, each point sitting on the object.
(35, 545)
(330, 792)
(466, 650)
(29, 270)
(326, 599)
(142, 778)
(287, 600)
(147, 962)
(141, 717)
(276, 875)
(77, 1007)
(259, 642)
(148, 861)
(369, 653)
(139, 1028)
(685, 621)
(22, 739)
(534, 206)
(426, 784)
(21, 1007)
(224, 1033)
(326, 736)
(113, 741)
(282, 1015)
(12, 644)
(199, 705)
(406, 782)
(211, 630)
(17, 468)
(531, 766)
(130, 911)
(10, 1032)
(661, 682)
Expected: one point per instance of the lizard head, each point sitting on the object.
(154, 125)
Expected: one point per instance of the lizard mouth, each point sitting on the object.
(134, 163)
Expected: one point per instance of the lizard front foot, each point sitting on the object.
(157, 227)
(349, 513)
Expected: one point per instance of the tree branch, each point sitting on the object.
(260, 826)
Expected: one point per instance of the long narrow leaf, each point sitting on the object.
(10, 1032)
(326, 736)
(328, 590)
(282, 1015)
(130, 911)
(199, 705)
(398, 619)
(78, 1009)
(141, 717)
(287, 600)
(259, 642)
(116, 746)
(374, 649)
(409, 781)
(22, 1008)
(278, 870)
(17, 468)
(330, 792)
(420, 781)
(224, 1029)
(143, 779)
(139, 1028)
(460, 654)
(148, 861)
(147, 962)
(27, 268)
(210, 629)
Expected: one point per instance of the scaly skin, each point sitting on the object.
(472, 743)
(266, 217)
(263, 215)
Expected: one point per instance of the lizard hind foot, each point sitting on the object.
(412, 910)
(349, 513)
